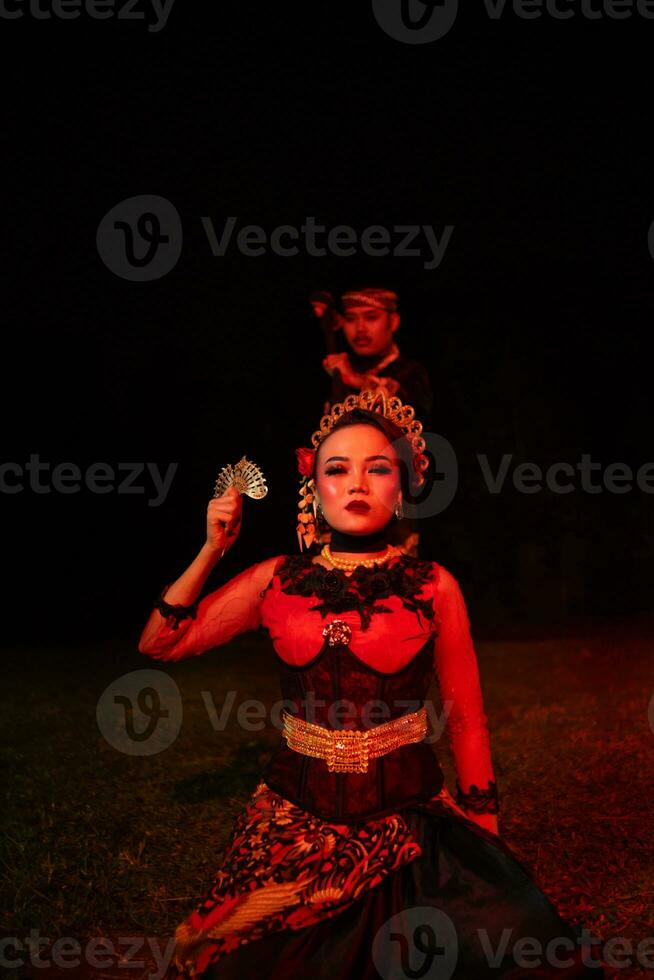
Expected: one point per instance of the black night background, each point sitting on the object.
(530, 138)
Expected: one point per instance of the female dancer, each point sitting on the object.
(351, 859)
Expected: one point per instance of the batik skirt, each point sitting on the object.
(424, 892)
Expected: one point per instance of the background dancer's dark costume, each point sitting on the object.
(401, 376)
(319, 863)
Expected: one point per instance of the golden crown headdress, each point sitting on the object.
(372, 401)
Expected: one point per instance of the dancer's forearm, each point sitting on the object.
(190, 583)
(183, 591)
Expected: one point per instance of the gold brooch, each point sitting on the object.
(337, 633)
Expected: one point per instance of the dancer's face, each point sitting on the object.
(357, 463)
(368, 330)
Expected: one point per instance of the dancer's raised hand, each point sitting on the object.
(224, 515)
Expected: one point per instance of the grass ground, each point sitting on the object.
(98, 843)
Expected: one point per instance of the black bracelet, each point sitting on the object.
(479, 800)
(174, 614)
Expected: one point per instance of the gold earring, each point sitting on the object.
(399, 512)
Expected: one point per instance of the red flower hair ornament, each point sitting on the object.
(306, 461)
(307, 530)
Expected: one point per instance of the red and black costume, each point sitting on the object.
(319, 863)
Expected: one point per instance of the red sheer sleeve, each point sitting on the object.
(232, 609)
(460, 688)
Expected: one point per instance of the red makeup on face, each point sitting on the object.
(357, 479)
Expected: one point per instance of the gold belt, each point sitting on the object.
(349, 751)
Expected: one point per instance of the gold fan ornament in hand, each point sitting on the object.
(245, 476)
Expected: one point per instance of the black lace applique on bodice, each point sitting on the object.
(404, 577)
(337, 675)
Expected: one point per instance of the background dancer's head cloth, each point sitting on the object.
(381, 299)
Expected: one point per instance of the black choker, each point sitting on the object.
(358, 543)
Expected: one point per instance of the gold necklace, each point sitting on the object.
(348, 564)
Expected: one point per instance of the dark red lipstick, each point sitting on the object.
(358, 505)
